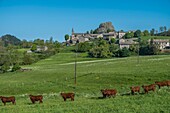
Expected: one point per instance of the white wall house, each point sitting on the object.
(161, 43)
(126, 43)
(120, 34)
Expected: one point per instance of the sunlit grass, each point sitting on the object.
(49, 78)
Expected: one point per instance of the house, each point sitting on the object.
(93, 36)
(120, 34)
(161, 43)
(87, 37)
(82, 37)
(29, 51)
(109, 35)
(126, 43)
(41, 48)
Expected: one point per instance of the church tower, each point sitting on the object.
(72, 31)
(72, 36)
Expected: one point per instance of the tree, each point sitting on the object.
(34, 47)
(99, 52)
(149, 49)
(100, 49)
(123, 52)
(146, 33)
(83, 47)
(16, 67)
(91, 31)
(165, 30)
(156, 32)
(27, 59)
(51, 40)
(137, 33)
(129, 35)
(5, 67)
(161, 29)
(113, 40)
(152, 32)
(141, 34)
(133, 49)
(39, 42)
(66, 37)
(109, 30)
(95, 31)
(113, 48)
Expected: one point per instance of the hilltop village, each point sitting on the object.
(107, 31)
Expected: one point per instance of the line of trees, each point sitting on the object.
(137, 33)
(162, 32)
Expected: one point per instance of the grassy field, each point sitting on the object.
(155, 37)
(51, 76)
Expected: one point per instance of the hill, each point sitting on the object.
(56, 74)
(10, 40)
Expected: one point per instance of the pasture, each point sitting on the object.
(155, 37)
(54, 75)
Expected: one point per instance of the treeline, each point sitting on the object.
(100, 48)
(162, 32)
(12, 56)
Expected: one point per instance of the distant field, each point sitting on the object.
(155, 37)
(23, 50)
(56, 74)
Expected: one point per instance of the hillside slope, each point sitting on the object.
(54, 75)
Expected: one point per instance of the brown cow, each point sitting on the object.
(135, 89)
(108, 92)
(36, 98)
(163, 83)
(168, 83)
(67, 95)
(8, 99)
(149, 88)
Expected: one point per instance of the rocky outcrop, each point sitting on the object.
(105, 27)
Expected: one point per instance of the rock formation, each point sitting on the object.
(105, 27)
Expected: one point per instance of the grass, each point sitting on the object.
(49, 77)
(155, 37)
(23, 50)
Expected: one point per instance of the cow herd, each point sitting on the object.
(105, 93)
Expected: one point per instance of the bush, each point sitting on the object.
(123, 52)
(148, 50)
(113, 49)
(100, 52)
(16, 67)
(5, 67)
(83, 47)
(28, 59)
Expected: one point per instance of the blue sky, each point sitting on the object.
(31, 19)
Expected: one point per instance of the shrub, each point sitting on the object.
(100, 52)
(123, 52)
(16, 67)
(5, 67)
(83, 47)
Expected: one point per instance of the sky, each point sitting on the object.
(32, 19)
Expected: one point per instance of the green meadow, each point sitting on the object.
(155, 37)
(54, 75)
